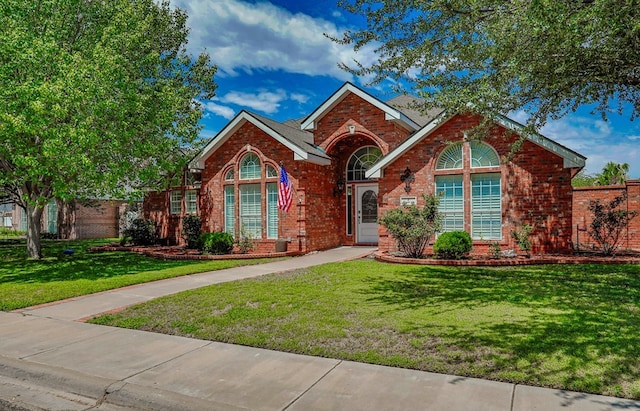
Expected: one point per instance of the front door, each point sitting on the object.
(367, 213)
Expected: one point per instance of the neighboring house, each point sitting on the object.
(356, 157)
(77, 220)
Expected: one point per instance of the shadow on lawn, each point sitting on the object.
(581, 329)
(56, 266)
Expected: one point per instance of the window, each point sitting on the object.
(229, 210)
(271, 171)
(250, 210)
(450, 158)
(256, 207)
(361, 161)
(483, 155)
(175, 203)
(52, 217)
(249, 167)
(486, 206)
(451, 202)
(482, 190)
(272, 210)
(191, 201)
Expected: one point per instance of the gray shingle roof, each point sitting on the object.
(410, 107)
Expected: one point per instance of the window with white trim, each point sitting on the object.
(361, 161)
(191, 201)
(451, 202)
(175, 202)
(229, 209)
(250, 166)
(481, 189)
(255, 186)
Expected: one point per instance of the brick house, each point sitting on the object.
(354, 158)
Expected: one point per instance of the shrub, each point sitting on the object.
(452, 245)
(412, 226)
(521, 236)
(191, 229)
(141, 232)
(608, 223)
(495, 251)
(216, 243)
(245, 242)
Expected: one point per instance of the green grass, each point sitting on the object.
(25, 282)
(574, 327)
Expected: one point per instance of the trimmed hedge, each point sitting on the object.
(452, 245)
(216, 243)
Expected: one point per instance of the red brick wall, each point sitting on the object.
(536, 188)
(356, 111)
(582, 217)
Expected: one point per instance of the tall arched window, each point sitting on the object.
(361, 161)
(251, 199)
(482, 189)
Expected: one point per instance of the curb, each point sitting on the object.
(103, 390)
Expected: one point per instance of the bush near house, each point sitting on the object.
(141, 232)
(452, 245)
(216, 243)
(413, 226)
(191, 230)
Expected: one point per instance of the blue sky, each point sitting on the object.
(274, 59)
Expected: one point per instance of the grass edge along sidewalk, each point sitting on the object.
(58, 276)
(573, 327)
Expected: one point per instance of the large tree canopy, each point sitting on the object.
(545, 56)
(96, 98)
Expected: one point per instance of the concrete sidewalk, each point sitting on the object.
(49, 361)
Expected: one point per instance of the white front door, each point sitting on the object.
(367, 213)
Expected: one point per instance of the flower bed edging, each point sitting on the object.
(167, 254)
(534, 260)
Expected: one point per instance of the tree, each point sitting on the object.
(582, 179)
(96, 98)
(613, 173)
(547, 57)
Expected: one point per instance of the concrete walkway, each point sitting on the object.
(49, 360)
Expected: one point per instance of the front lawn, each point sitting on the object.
(56, 276)
(574, 327)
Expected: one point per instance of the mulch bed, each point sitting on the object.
(181, 253)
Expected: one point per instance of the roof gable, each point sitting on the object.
(294, 139)
(390, 113)
(571, 158)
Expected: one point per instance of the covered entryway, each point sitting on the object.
(367, 214)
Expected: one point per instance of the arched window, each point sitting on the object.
(481, 189)
(248, 205)
(450, 158)
(483, 155)
(249, 167)
(361, 161)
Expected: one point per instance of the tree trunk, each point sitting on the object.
(66, 219)
(34, 221)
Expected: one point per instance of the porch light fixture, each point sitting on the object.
(407, 177)
(339, 188)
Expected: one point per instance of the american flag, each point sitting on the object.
(285, 193)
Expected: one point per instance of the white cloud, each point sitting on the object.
(242, 36)
(223, 111)
(300, 98)
(264, 101)
(633, 138)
